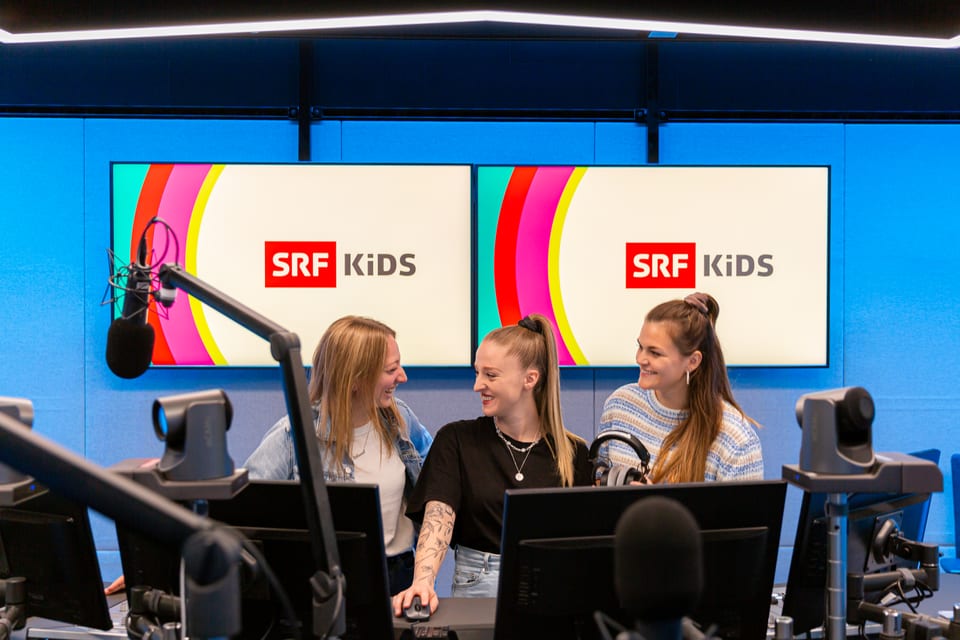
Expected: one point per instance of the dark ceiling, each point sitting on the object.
(925, 18)
(484, 71)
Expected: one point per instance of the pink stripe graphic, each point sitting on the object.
(533, 247)
(176, 207)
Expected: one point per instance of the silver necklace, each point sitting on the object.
(512, 447)
(363, 450)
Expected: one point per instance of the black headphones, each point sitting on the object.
(618, 475)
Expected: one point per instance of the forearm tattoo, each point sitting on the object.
(435, 535)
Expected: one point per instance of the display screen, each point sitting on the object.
(595, 248)
(592, 248)
(304, 244)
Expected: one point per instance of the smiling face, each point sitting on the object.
(503, 384)
(391, 376)
(662, 367)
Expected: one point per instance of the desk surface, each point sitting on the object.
(56, 630)
(940, 604)
(472, 618)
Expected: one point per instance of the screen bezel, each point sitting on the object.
(270, 513)
(48, 540)
(576, 513)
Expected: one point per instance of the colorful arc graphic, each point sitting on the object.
(178, 193)
(527, 250)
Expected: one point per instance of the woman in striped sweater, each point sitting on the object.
(682, 408)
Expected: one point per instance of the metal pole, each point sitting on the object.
(836, 509)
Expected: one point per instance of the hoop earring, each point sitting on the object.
(688, 377)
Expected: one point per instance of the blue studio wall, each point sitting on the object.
(893, 320)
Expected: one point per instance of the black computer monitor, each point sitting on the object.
(270, 513)
(47, 540)
(805, 596)
(557, 556)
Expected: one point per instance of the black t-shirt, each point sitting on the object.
(469, 468)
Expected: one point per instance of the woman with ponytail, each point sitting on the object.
(518, 442)
(682, 408)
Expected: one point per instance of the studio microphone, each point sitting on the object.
(658, 568)
(130, 338)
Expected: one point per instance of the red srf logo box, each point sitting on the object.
(300, 264)
(661, 265)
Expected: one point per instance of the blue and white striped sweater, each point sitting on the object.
(734, 455)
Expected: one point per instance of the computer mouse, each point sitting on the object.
(417, 612)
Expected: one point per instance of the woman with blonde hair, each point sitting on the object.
(519, 442)
(682, 408)
(366, 433)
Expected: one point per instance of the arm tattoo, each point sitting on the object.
(435, 534)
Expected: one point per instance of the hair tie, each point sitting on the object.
(529, 323)
(698, 301)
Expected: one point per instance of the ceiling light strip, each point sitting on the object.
(463, 17)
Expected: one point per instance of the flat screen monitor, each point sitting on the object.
(805, 597)
(47, 540)
(270, 513)
(557, 556)
(567, 240)
(328, 248)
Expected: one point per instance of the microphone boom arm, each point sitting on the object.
(82, 481)
(285, 348)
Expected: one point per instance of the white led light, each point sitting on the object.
(463, 17)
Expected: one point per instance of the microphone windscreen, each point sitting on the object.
(129, 347)
(658, 560)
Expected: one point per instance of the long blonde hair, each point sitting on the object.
(532, 342)
(691, 325)
(349, 359)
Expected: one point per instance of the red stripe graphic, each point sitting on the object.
(148, 204)
(505, 248)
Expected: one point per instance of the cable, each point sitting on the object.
(184, 599)
(160, 258)
(275, 585)
(269, 629)
(921, 589)
(117, 282)
(258, 563)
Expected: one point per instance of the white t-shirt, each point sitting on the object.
(381, 465)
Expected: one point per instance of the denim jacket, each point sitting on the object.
(275, 457)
